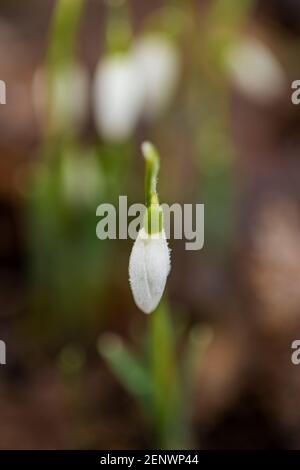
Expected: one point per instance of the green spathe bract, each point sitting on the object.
(149, 263)
(153, 222)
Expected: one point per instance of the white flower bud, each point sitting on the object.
(149, 266)
(158, 65)
(118, 97)
(256, 71)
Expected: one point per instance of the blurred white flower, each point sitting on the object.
(81, 179)
(63, 97)
(118, 97)
(128, 86)
(256, 71)
(158, 65)
(149, 266)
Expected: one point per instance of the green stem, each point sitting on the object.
(118, 29)
(153, 222)
(63, 29)
(152, 168)
(167, 416)
(59, 61)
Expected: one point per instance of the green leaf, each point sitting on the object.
(125, 366)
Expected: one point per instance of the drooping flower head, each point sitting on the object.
(149, 263)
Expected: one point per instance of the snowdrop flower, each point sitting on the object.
(256, 71)
(118, 97)
(149, 263)
(66, 99)
(158, 66)
(149, 267)
(130, 85)
(81, 179)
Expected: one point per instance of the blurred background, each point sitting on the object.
(209, 82)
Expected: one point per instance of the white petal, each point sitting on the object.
(256, 70)
(149, 266)
(118, 97)
(159, 67)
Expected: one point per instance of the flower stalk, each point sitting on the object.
(65, 21)
(153, 222)
(149, 263)
(61, 68)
